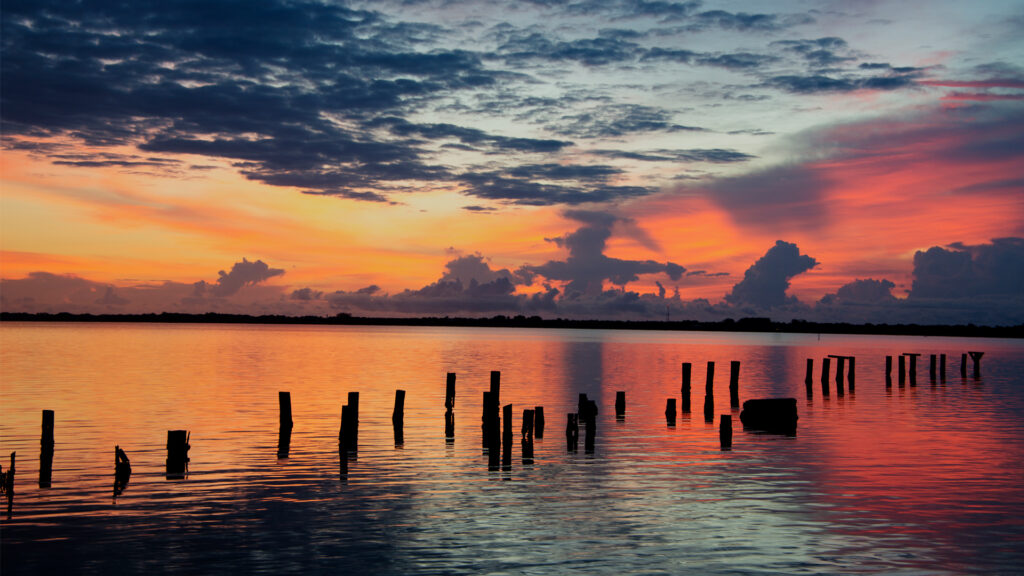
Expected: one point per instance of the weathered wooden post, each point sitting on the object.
(538, 422)
(572, 432)
(284, 432)
(620, 404)
(449, 392)
(850, 375)
(527, 429)
(506, 457)
(343, 440)
(809, 378)
(734, 384)
(122, 471)
(7, 483)
(398, 417)
(826, 370)
(903, 370)
(888, 371)
(670, 411)
(591, 427)
(976, 358)
(942, 367)
(529, 423)
(913, 367)
(177, 453)
(485, 420)
(686, 387)
(352, 433)
(496, 388)
(709, 394)
(725, 431)
(840, 370)
(963, 365)
(46, 444)
(933, 367)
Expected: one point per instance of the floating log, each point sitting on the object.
(177, 453)
(734, 384)
(620, 404)
(976, 358)
(826, 369)
(538, 421)
(572, 432)
(777, 415)
(670, 411)
(725, 431)
(449, 392)
(686, 387)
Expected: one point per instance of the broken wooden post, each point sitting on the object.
(572, 432)
(670, 411)
(529, 423)
(177, 453)
(725, 431)
(284, 433)
(538, 422)
(352, 433)
(963, 365)
(809, 378)
(826, 370)
(933, 367)
(591, 427)
(527, 429)
(686, 388)
(122, 471)
(506, 457)
(903, 370)
(777, 415)
(709, 394)
(46, 444)
(7, 483)
(398, 417)
(620, 405)
(976, 358)
(734, 384)
(496, 387)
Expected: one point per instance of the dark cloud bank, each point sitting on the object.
(957, 284)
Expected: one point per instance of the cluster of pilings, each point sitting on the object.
(936, 367)
(845, 365)
(709, 392)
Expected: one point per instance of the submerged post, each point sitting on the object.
(670, 411)
(620, 404)
(686, 387)
(826, 369)
(177, 453)
(976, 357)
(734, 384)
(538, 422)
(709, 394)
(725, 431)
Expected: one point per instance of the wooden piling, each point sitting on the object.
(572, 432)
(527, 431)
(122, 471)
(709, 394)
(942, 366)
(976, 358)
(620, 404)
(46, 444)
(902, 370)
(496, 388)
(398, 417)
(933, 367)
(734, 384)
(686, 387)
(840, 370)
(538, 422)
(506, 455)
(352, 433)
(963, 365)
(284, 432)
(591, 427)
(46, 439)
(826, 369)
(725, 431)
(809, 376)
(449, 392)
(7, 482)
(177, 453)
(913, 367)
(851, 375)
(670, 411)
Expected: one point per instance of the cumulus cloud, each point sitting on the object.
(765, 283)
(963, 271)
(862, 291)
(243, 273)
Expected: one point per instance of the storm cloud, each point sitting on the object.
(765, 283)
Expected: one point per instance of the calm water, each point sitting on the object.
(926, 479)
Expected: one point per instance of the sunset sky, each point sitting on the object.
(858, 161)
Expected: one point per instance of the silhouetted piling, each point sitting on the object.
(496, 387)
(933, 367)
(398, 417)
(620, 404)
(122, 471)
(902, 370)
(488, 419)
(942, 367)
(343, 441)
(7, 482)
(734, 384)
(538, 422)
(976, 358)
(840, 369)
(686, 387)
(588, 414)
(528, 422)
(913, 367)
(888, 371)
(670, 411)
(850, 376)
(449, 392)
(826, 369)
(353, 431)
(506, 455)
(284, 432)
(572, 432)
(809, 378)
(527, 447)
(725, 431)
(46, 444)
(963, 365)
(177, 453)
(709, 394)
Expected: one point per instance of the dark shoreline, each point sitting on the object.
(729, 325)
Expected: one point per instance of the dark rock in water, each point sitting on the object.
(776, 415)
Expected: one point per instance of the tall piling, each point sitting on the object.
(709, 394)
(506, 454)
(840, 370)
(809, 378)
(449, 406)
(352, 434)
(888, 371)
(734, 384)
(46, 444)
(687, 368)
(826, 370)
(963, 365)
(589, 417)
(976, 358)
(902, 370)
(285, 424)
(850, 376)
(942, 367)
(933, 367)
(538, 422)
(398, 417)
(913, 368)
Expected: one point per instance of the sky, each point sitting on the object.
(819, 160)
